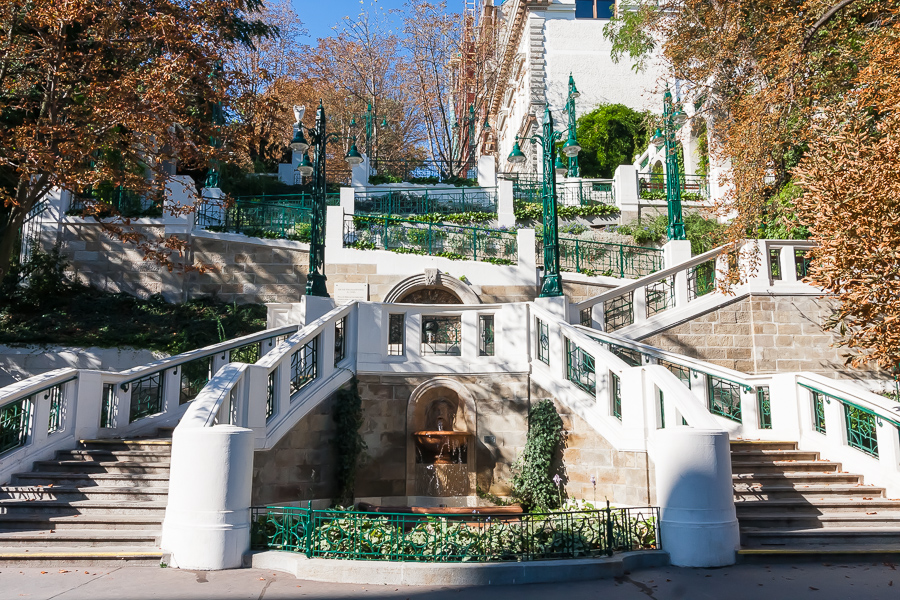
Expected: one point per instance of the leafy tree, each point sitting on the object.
(609, 136)
(99, 99)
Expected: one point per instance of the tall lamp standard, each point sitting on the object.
(551, 283)
(673, 119)
(574, 171)
(369, 117)
(315, 281)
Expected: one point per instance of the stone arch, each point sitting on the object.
(431, 279)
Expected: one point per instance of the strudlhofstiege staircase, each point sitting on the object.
(101, 503)
(793, 502)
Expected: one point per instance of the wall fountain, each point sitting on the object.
(442, 450)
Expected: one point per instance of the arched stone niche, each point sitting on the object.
(431, 287)
(439, 398)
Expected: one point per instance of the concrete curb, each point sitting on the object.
(379, 572)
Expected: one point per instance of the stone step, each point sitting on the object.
(745, 491)
(85, 466)
(150, 444)
(820, 506)
(764, 519)
(71, 493)
(797, 477)
(787, 466)
(797, 538)
(771, 455)
(85, 538)
(105, 455)
(740, 445)
(36, 521)
(37, 556)
(124, 480)
(85, 507)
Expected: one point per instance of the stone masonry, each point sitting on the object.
(763, 334)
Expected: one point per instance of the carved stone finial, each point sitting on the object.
(298, 113)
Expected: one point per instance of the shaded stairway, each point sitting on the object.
(103, 502)
(790, 501)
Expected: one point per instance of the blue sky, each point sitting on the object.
(319, 16)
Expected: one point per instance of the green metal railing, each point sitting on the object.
(529, 188)
(653, 185)
(274, 220)
(146, 396)
(194, 376)
(618, 312)
(601, 258)
(616, 387)
(270, 395)
(680, 371)
(304, 365)
(819, 411)
(580, 368)
(352, 535)
(764, 407)
(660, 295)
(418, 201)
(701, 279)
(724, 398)
(486, 335)
(861, 432)
(117, 199)
(441, 335)
(14, 420)
(437, 239)
(108, 405)
(543, 341)
(55, 395)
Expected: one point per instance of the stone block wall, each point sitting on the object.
(764, 334)
(300, 466)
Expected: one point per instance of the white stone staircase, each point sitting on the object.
(791, 502)
(100, 504)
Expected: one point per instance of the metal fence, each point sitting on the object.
(438, 239)
(343, 534)
(529, 188)
(601, 258)
(654, 184)
(416, 201)
(288, 220)
(116, 200)
(431, 171)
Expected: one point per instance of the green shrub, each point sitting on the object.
(532, 481)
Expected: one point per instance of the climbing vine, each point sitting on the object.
(348, 443)
(533, 482)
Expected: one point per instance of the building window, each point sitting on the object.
(396, 326)
(594, 9)
(486, 326)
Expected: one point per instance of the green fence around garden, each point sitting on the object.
(407, 236)
(343, 534)
(601, 258)
(276, 220)
(418, 201)
(693, 187)
(529, 188)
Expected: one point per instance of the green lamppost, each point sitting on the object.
(672, 120)
(574, 171)
(218, 119)
(315, 281)
(551, 283)
(369, 118)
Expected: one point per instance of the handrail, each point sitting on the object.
(36, 384)
(862, 399)
(204, 408)
(271, 358)
(696, 415)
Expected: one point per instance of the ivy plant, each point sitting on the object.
(347, 442)
(533, 483)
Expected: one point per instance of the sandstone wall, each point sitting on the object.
(763, 334)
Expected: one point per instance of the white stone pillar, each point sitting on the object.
(487, 171)
(525, 248)
(207, 523)
(676, 252)
(625, 188)
(334, 232)
(506, 216)
(698, 523)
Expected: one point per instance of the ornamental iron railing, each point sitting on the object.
(396, 334)
(542, 330)
(271, 220)
(353, 535)
(248, 353)
(660, 295)
(724, 398)
(764, 407)
(680, 371)
(270, 395)
(616, 395)
(701, 279)
(486, 335)
(618, 313)
(55, 396)
(14, 420)
(442, 335)
(304, 365)
(601, 258)
(340, 340)
(861, 432)
(818, 401)
(653, 186)
(580, 367)
(194, 376)
(146, 396)
(584, 192)
(422, 171)
(110, 200)
(455, 242)
(417, 201)
(107, 406)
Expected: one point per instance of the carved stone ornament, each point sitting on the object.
(298, 113)
(432, 276)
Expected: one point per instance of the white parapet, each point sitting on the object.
(207, 524)
(698, 523)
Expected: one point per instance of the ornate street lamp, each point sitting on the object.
(574, 170)
(315, 281)
(673, 119)
(369, 118)
(551, 283)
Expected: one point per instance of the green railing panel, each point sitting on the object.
(455, 242)
(417, 201)
(353, 535)
(632, 357)
(681, 372)
(543, 341)
(529, 188)
(270, 395)
(818, 401)
(662, 410)
(55, 396)
(693, 187)
(146, 396)
(107, 406)
(580, 368)
(775, 263)
(304, 365)
(801, 263)
(194, 376)
(616, 391)
(660, 296)
(249, 353)
(601, 258)
(396, 334)
(14, 421)
(340, 340)
(701, 279)
(486, 335)
(618, 312)
(271, 220)
(441, 335)
(764, 407)
(724, 398)
(861, 432)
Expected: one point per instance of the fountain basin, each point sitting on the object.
(442, 447)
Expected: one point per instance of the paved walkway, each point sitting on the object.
(814, 581)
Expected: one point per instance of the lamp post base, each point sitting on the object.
(551, 286)
(315, 285)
